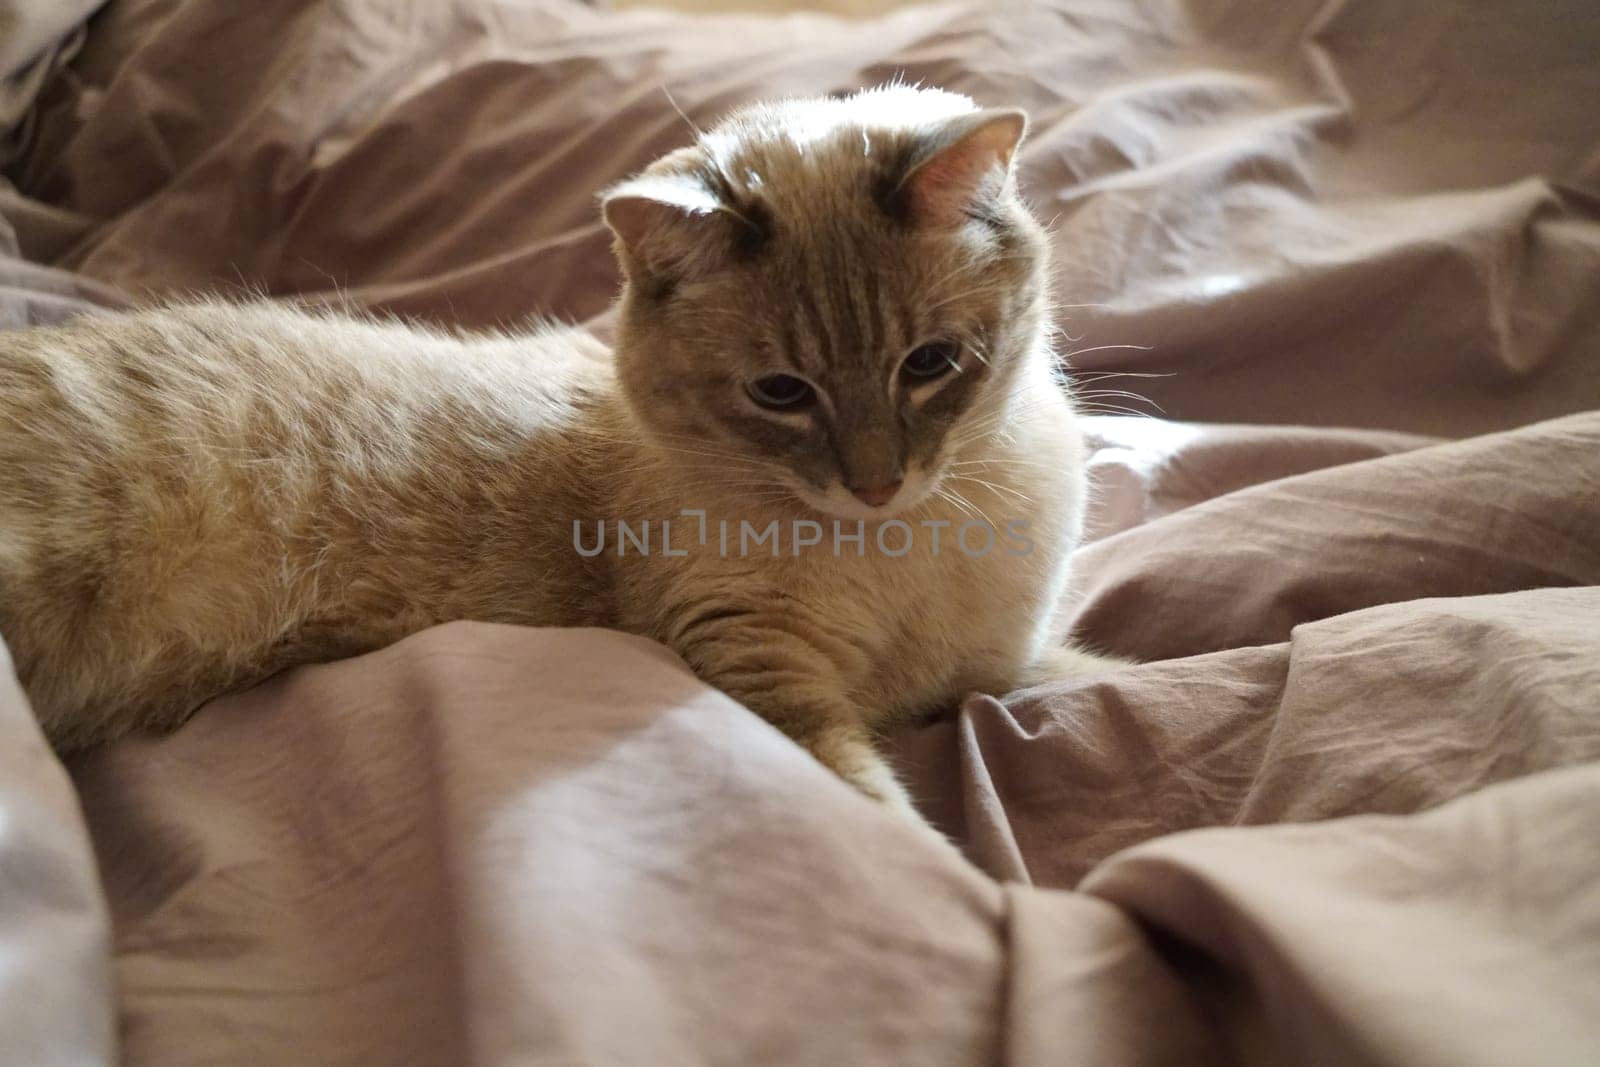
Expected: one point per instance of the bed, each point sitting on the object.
(1329, 276)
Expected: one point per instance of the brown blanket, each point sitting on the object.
(1348, 811)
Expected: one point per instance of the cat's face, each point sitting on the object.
(829, 308)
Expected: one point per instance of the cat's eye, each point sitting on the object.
(781, 391)
(931, 360)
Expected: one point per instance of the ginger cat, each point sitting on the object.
(832, 346)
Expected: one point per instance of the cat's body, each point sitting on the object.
(194, 497)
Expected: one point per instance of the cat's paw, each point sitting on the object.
(850, 754)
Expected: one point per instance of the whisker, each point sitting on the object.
(969, 507)
(1014, 462)
(1102, 375)
(1107, 409)
(1104, 348)
(1013, 493)
(1102, 393)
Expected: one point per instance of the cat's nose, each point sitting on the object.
(875, 496)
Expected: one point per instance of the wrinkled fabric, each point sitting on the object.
(56, 1002)
(37, 38)
(1346, 807)
(32, 294)
(488, 843)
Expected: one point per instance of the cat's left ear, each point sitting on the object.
(670, 225)
(966, 162)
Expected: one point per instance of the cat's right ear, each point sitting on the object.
(670, 227)
(966, 163)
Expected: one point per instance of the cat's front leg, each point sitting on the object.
(847, 750)
(827, 726)
(790, 675)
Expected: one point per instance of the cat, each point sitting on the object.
(832, 335)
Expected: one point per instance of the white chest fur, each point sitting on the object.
(913, 611)
(974, 612)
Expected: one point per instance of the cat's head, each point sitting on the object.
(838, 294)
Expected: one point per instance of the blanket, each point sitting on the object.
(1329, 275)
